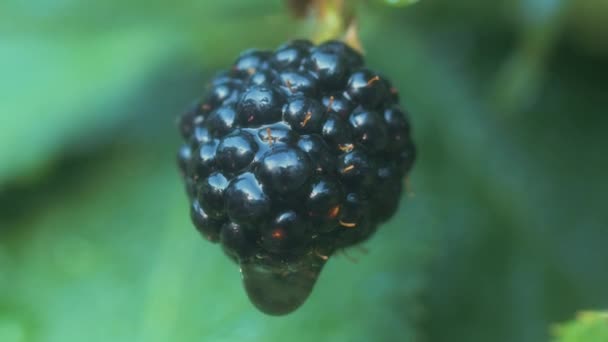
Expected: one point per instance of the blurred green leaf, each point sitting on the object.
(70, 77)
(588, 327)
(67, 89)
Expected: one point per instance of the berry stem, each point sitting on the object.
(334, 19)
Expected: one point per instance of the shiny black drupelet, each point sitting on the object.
(289, 156)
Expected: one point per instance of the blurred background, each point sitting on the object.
(502, 235)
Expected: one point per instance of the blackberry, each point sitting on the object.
(260, 104)
(294, 82)
(369, 129)
(235, 240)
(291, 156)
(285, 169)
(211, 195)
(286, 234)
(337, 133)
(304, 114)
(291, 54)
(235, 151)
(245, 200)
(366, 88)
(337, 104)
(222, 120)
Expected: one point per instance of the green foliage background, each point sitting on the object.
(588, 327)
(504, 234)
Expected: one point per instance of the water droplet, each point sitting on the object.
(280, 288)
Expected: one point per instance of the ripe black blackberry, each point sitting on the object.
(289, 156)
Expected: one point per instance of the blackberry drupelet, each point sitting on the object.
(290, 156)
